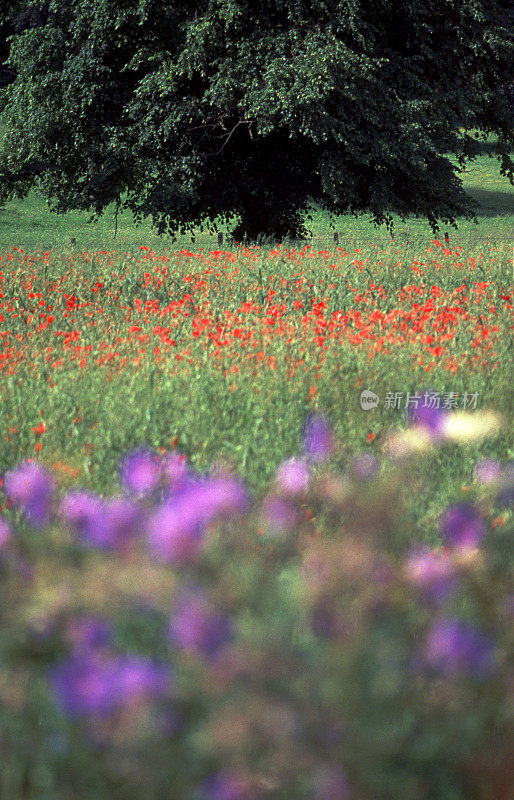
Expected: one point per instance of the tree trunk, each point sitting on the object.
(275, 223)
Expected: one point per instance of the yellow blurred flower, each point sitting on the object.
(463, 426)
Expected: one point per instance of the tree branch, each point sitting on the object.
(241, 122)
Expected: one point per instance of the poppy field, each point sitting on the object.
(223, 353)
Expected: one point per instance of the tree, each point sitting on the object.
(17, 16)
(184, 112)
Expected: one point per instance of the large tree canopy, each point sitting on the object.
(187, 111)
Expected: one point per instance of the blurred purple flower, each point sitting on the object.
(487, 471)
(364, 466)
(85, 685)
(224, 786)
(30, 487)
(88, 517)
(142, 679)
(278, 513)
(188, 482)
(5, 533)
(293, 476)
(432, 573)
(106, 524)
(124, 517)
(140, 471)
(428, 414)
(331, 783)
(89, 684)
(198, 627)
(175, 470)
(220, 497)
(174, 531)
(318, 438)
(453, 647)
(462, 527)
(88, 633)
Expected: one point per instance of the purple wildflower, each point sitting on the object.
(88, 633)
(142, 679)
(487, 471)
(30, 487)
(188, 482)
(331, 783)
(88, 517)
(293, 476)
(85, 685)
(90, 684)
(225, 786)
(278, 513)
(198, 627)
(174, 532)
(5, 533)
(453, 647)
(462, 527)
(429, 415)
(106, 524)
(140, 471)
(125, 519)
(432, 573)
(318, 439)
(364, 466)
(219, 497)
(175, 470)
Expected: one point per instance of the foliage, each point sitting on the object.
(181, 113)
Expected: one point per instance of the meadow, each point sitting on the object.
(224, 353)
(224, 577)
